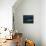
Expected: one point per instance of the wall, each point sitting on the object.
(30, 31)
(6, 13)
(43, 22)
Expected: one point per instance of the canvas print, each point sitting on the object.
(28, 19)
